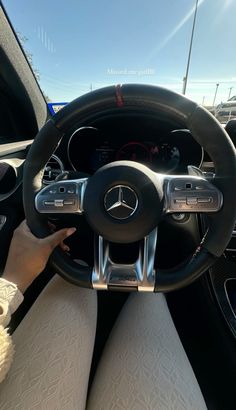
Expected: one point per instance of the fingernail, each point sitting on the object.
(70, 231)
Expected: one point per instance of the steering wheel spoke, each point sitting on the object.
(62, 197)
(140, 275)
(187, 193)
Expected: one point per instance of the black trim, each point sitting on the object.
(183, 275)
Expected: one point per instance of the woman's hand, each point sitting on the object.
(28, 255)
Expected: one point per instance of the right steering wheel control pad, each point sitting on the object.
(192, 195)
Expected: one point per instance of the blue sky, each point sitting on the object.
(82, 44)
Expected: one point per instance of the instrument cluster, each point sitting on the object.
(89, 149)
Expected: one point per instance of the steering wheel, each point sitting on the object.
(124, 201)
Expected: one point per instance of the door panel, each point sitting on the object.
(11, 204)
(23, 111)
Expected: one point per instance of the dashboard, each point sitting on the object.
(164, 149)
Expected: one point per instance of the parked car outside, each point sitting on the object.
(225, 111)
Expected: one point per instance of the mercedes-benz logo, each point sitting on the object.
(121, 202)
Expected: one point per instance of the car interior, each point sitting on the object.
(108, 141)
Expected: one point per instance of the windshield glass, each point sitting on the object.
(78, 46)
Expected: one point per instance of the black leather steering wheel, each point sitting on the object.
(124, 201)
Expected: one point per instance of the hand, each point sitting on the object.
(28, 255)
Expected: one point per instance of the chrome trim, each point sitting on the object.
(60, 201)
(146, 282)
(214, 205)
(69, 142)
(227, 296)
(207, 164)
(17, 164)
(201, 162)
(3, 220)
(138, 276)
(61, 167)
(101, 259)
(121, 203)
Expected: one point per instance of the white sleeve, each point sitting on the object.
(6, 353)
(10, 299)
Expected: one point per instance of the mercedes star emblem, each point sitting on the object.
(121, 202)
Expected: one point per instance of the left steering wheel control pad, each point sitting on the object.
(118, 201)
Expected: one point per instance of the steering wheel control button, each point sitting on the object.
(58, 202)
(49, 203)
(191, 201)
(204, 200)
(121, 202)
(180, 200)
(199, 187)
(62, 197)
(197, 195)
(53, 191)
(69, 202)
(71, 189)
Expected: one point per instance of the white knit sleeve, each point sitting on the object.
(6, 352)
(10, 299)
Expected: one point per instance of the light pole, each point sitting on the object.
(185, 79)
(216, 91)
(203, 100)
(230, 89)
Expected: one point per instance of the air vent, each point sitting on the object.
(53, 168)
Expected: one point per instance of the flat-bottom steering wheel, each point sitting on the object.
(125, 201)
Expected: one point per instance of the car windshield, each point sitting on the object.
(78, 46)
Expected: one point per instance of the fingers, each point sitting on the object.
(53, 240)
(64, 247)
(58, 237)
(52, 226)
